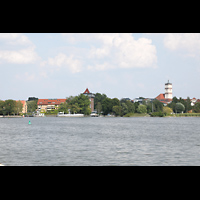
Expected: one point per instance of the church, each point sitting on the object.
(166, 98)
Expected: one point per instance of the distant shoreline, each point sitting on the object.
(11, 116)
(126, 116)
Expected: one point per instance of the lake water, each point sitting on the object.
(100, 141)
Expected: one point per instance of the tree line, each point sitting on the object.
(183, 106)
(123, 107)
(105, 105)
(10, 107)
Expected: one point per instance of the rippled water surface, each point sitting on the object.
(100, 141)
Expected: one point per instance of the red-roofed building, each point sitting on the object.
(160, 97)
(167, 97)
(91, 98)
(49, 104)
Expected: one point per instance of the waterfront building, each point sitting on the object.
(24, 108)
(49, 104)
(91, 98)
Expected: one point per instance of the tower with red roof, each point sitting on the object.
(91, 98)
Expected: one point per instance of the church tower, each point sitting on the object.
(168, 90)
(91, 98)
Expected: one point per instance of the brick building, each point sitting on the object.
(91, 98)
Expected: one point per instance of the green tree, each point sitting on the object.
(179, 107)
(173, 104)
(99, 98)
(74, 108)
(124, 109)
(63, 107)
(32, 106)
(167, 110)
(18, 107)
(136, 104)
(157, 106)
(115, 102)
(175, 100)
(149, 106)
(10, 107)
(107, 106)
(99, 108)
(117, 110)
(188, 106)
(186, 103)
(79, 104)
(84, 104)
(2, 107)
(142, 109)
(197, 107)
(131, 107)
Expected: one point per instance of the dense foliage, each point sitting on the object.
(186, 103)
(32, 106)
(197, 107)
(77, 104)
(10, 107)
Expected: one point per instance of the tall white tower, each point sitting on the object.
(168, 90)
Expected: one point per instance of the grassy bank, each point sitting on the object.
(188, 115)
(178, 115)
(136, 115)
(160, 114)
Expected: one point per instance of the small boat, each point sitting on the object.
(94, 114)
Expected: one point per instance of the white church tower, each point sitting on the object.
(168, 90)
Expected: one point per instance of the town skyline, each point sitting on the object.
(121, 65)
(143, 96)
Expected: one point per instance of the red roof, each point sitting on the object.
(50, 101)
(160, 96)
(86, 91)
(23, 102)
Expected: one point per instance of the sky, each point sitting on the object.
(121, 65)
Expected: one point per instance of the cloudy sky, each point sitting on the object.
(57, 65)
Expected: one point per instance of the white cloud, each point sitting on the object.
(16, 48)
(23, 56)
(74, 38)
(63, 61)
(183, 41)
(119, 50)
(15, 39)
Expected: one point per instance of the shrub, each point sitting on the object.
(142, 109)
(157, 114)
(179, 107)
